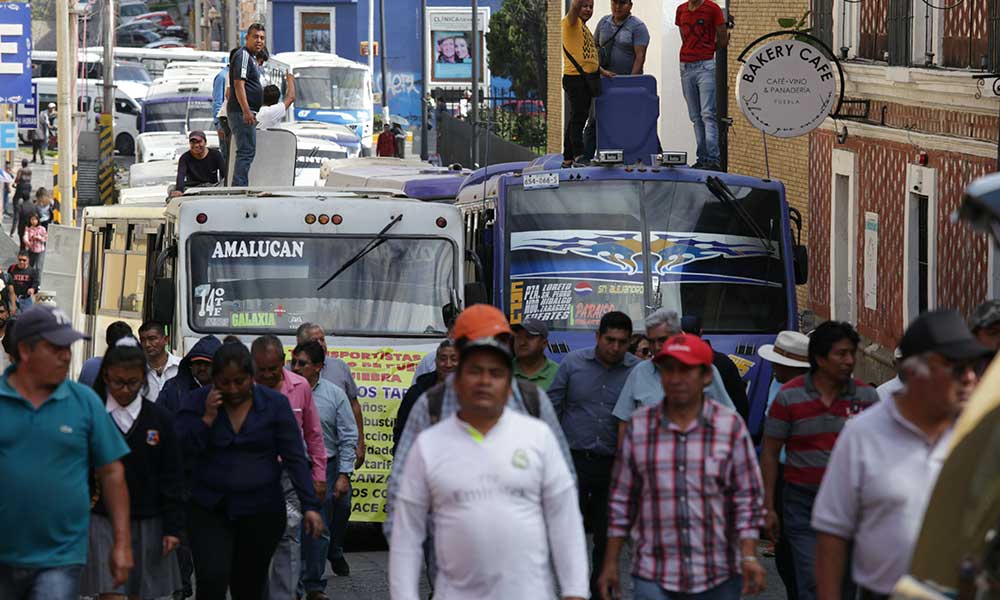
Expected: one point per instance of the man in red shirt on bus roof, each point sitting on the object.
(703, 29)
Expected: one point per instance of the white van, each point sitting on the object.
(90, 96)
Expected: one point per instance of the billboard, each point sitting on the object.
(449, 37)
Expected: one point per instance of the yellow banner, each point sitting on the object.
(383, 376)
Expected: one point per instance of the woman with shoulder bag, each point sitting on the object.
(582, 75)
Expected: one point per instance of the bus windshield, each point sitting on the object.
(330, 87)
(585, 248)
(268, 284)
(181, 115)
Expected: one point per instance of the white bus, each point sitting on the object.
(180, 105)
(90, 100)
(156, 60)
(331, 89)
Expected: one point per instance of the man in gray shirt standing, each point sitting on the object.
(886, 461)
(622, 39)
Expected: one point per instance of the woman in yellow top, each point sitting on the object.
(578, 43)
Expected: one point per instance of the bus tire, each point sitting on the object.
(124, 144)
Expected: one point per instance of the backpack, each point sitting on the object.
(529, 394)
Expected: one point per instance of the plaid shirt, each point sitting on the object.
(691, 495)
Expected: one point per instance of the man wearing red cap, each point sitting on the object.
(694, 525)
(495, 485)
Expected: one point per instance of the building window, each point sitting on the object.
(873, 41)
(900, 32)
(314, 29)
(315, 32)
(843, 237)
(967, 34)
(822, 21)
(994, 37)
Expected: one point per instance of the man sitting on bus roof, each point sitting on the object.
(199, 166)
(274, 109)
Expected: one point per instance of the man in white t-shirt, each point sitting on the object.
(499, 492)
(273, 109)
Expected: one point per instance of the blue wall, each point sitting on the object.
(403, 41)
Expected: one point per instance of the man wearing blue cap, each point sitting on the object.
(56, 427)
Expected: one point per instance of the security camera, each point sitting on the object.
(981, 205)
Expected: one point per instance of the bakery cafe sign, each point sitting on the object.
(786, 88)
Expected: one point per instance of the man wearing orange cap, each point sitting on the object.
(495, 485)
(695, 531)
(475, 322)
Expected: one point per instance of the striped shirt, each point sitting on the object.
(688, 497)
(244, 67)
(809, 428)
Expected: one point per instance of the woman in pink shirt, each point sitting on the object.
(35, 237)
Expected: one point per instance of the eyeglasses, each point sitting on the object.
(643, 351)
(132, 384)
(297, 362)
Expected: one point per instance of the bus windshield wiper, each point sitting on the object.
(725, 195)
(374, 243)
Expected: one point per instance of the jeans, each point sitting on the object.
(315, 551)
(285, 566)
(24, 304)
(54, 583)
(698, 84)
(644, 589)
(232, 554)
(580, 101)
(245, 137)
(593, 472)
(783, 559)
(797, 505)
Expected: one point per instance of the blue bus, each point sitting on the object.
(566, 245)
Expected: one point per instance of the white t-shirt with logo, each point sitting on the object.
(271, 115)
(499, 503)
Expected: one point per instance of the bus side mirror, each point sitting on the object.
(163, 301)
(800, 255)
(475, 293)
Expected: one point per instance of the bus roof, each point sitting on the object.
(191, 69)
(147, 210)
(298, 60)
(415, 179)
(182, 53)
(181, 86)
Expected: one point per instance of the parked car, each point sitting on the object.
(130, 9)
(165, 43)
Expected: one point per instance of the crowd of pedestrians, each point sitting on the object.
(228, 471)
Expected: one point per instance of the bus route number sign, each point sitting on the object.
(541, 181)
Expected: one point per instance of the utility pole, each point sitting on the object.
(385, 79)
(233, 30)
(424, 126)
(65, 82)
(474, 108)
(106, 172)
(198, 33)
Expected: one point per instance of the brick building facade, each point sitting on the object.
(887, 176)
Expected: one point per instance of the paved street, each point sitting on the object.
(369, 579)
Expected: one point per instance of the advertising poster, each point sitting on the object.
(382, 375)
(450, 39)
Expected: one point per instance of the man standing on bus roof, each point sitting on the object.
(198, 166)
(244, 101)
(221, 120)
(703, 30)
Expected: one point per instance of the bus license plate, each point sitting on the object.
(539, 181)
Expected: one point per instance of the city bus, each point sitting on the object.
(566, 245)
(156, 60)
(329, 89)
(378, 272)
(180, 105)
(410, 177)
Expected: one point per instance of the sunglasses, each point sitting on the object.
(297, 362)
(643, 351)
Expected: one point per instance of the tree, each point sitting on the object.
(517, 43)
